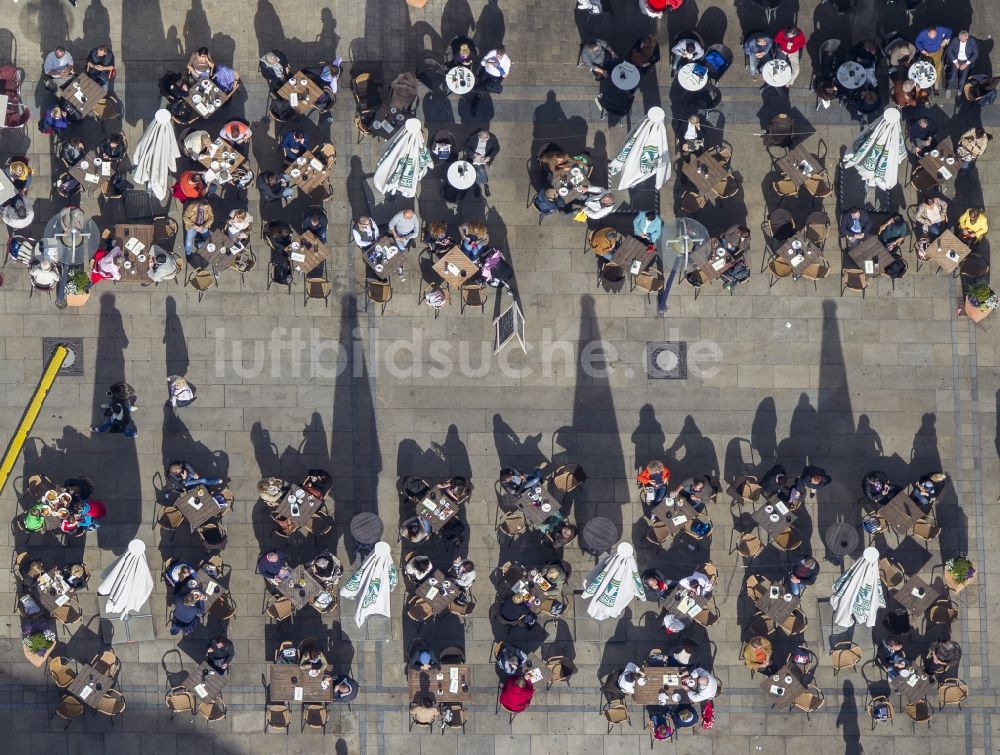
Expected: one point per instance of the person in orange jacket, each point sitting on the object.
(656, 476)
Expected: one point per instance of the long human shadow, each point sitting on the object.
(143, 55)
(96, 30)
(847, 721)
(513, 450)
(648, 439)
(271, 35)
(925, 458)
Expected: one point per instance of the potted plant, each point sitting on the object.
(77, 289)
(980, 301)
(38, 639)
(959, 573)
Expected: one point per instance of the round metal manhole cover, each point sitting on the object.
(73, 363)
(666, 360)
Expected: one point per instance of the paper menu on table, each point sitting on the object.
(432, 593)
(105, 168)
(293, 99)
(91, 178)
(694, 609)
(297, 257)
(869, 267)
(535, 675)
(912, 681)
(453, 686)
(130, 244)
(453, 672)
(797, 260)
(685, 605)
(316, 164)
(719, 264)
(297, 694)
(85, 692)
(944, 173)
(62, 600)
(200, 689)
(679, 520)
(781, 508)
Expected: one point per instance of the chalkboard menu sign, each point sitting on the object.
(509, 325)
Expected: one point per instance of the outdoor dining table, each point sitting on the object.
(706, 173)
(388, 120)
(94, 173)
(913, 687)
(210, 588)
(300, 587)
(764, 517)
(448, 684)
(537, 513)
(438, 509)
(198, 506)
(221, 161)
(301, 92)
(778, 608)
(692, 76)
(310, 171)
(82, 94)
(660, 679)
(461, 174)
(947, 251)
(219, 252)
(776, 72)
(852, 75)
(784, 685)
(439, 596)
(89, 685)
(916, 596)
(366, 528)
(923, 74)
(454, 267)
(536, 670)
(941, 164)
(599, 534)
(684, 605)
(871, 255)
(901, 512)
(625, 76)
(205, 683)
(520, 580)
(571, 181)
(460, 80)
(800, 165)
(206, 97)
(307, 252)
(676, 514)
(705, 258)
(135, 241)
(801, 257)
(378, 255)
(287, 682)
(632, 250)
(51, 590)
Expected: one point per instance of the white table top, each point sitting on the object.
(461, 174)
(460, 80)
(923, 74)
(625, 76)
(852, 75)
(688, 78)
(777, 73)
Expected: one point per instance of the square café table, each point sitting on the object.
(440, 683)
(89, 685)
(53, 592)
(680, 507)
(203, 509)
(914, 687)
(308, 506)
(467, 269)
(518, 573)
(873, 249)
(93, 178)
(762, 518)
(789, 165)
(630, 250)
(208, 92)
(210, 588)
(129, 237)
(300, 595)
(438, 509)
(656, 682)
(705, 259)
(305, 688)
(224, 154)
(917, 605)
(901, 512)
(82, 94)
(801, 258)
(433, 594)
(306, 93)
(224, 254)
(535, 514)
(938, 167)
(706, 172)
(672, 604)
(309, 176)
(778, 608)
(310, 254)
(205, 683)
(780, 680)
(947, 251)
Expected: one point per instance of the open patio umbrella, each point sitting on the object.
(372, 583)
(70, 238)
(679, 238)
(613, 584)
(878, 151)
(858, 593)
(646, 153)
(155, 156)
(127, 582)
(404, 161)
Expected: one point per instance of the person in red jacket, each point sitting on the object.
(791, 41)
(654, 475)
(516, 694)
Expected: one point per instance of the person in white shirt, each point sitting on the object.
(697, 583)
(163, 266)
(701, 685)
(685, 51)
(58, 67)
(364, 233)
(44, 274)
(494, 68)
(464, 572)
(629, 678)
(238, 224)
(404, 227)
(598, 203)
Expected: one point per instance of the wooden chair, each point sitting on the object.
(816, 272)
(213, 711)
(111, 703)
(744, 489)
(463, 611)
(62, 672)
(69, 709)
(315, 716)
(419, 610)
(170, 519)
(650, 282)
(818, 186)
(891, 572)
(457, 718)
(68, 615)
(473, 295)
(778, 269)
(277, 716)
(658, 532)
(795, 624)
(709, 616)
(562, 669)
(810, 700)
(877, 702)
(378, 292)
(279, 609)
(201, 281)
(692, 202)
(748, 545)
(952, 692)
(755, 587)
(611, 277)
(784, 187)
(179, 700)
(817, 228)
(316, 287)
(282, 653)
(568, 477)
(512, 524)
(616, 713)
(788, 540)
(107, 663)
(224, 608)
(853, 279)
(844, 655)
(926, 528)
(919, 712)
(942, 612)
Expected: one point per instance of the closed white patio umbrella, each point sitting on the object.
(646, 153)
(878, 151)
(127, 582)
(155, 156)
(613, 585)
(858, 594)
(371, 584)
(404, 161)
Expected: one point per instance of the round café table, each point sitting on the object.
(625, 76)
(923, 74)
(841, 539)
(852, 75)
(689, 79)
(599, 535)
(461, 175)
(776, 72)
(366, 528)
(460, 80)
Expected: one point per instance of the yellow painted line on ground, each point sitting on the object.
(31, 414)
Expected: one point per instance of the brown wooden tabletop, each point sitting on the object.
(681, 508)
(143, 233)
(202, 510)
(762, 518)
(92, 92)
(310, 254)
(89, 685)
(934, 165)
(574, 183)
(309, 177)
(205, 683)
(439, 684)
(657, 682)
(519, 576)
(208, 92)
(705, 258)
(282, 688)
(223, 154)
(437, 508)
(917, 605)
(467, 269)
(434, 593)
(939, 249)
(778, 608)
(535, 669)
(53, 592)
(301, 595)
(93, 178)
(789, 165)
(714, 174)
(307, 506)
(219, 259)
(678, 599)
(210, 587)
(306, 94)
(630, 250)
(869, 248)
(914, 687)
(534, 514)
(901, 512)
(801, 258)
(790, 689)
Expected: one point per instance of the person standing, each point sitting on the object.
(101, 65)
(480, 149)
(220, 654)
(790, 42)
(757, 48)
(931, 43)
(961, 53)
(119, 420)
(971, 146)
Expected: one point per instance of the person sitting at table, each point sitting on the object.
(802, 574)
(697, 583)
(423, 711)
(54, 120)
(692, 140)
(516, 694)
(548, 202)
(404, 228)
(789, 42)
(929, 488)
(630, 677)
(274, 186)
(932, 215)
(971, 146)
(437, 238)
(314, 220)
(416, 529)
(220, 653)
(178, 573)
(982, 89)
(481, 149)
(827, 91)
(188, 610)
(701, 685)
(198, 218)
(463, 572)
(71, 151)
(510, 659)
(44, 274)
(57, 68)
(645, 53)
(875, 486)
(759, 652)
(893, 232)
(961, 54)
(494, 68)
(274, 566)
(900, 56)
(695, 491)
(294, 145)
(685, 51)
(564, 535)
(326, 568)
(345, 688)
(653, 478)
(273, 66)
(197, 144)
(598, 202)
(598, 58)
(201, 64)
(684, 716)
(474, 239)
(515, 608)
(226, 79)
(418, 567)
(74, 575)
(855, 226)
(461, 52)
(942, 655)
(659, 724)
(867, 100)
(182, 476)
(112, 148)
(104, 263)
(162, 266)
(555, 575)
(515, 482)
(312, 658)
(19, 173)
(681, 655)
(647, 227)
(236, 132)
(455, 488)
(422, 658)
(972, 226)
(190, 184)
(238, 224)
(891, 656)
(922, 135)
(656, 583)
(365, 233)
(553, 160)
(867, 54)
(757, 48)
(101, 65)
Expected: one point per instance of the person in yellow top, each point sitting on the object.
(757, 655)
(972, 225)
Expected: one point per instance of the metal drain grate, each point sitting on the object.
(74, 360)
(666, 360)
